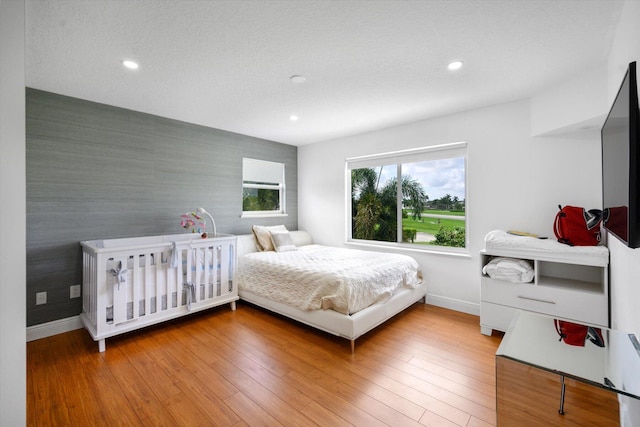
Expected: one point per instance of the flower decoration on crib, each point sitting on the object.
(194, 222)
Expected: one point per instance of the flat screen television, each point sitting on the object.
(620, 163)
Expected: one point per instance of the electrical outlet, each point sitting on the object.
(74, 291)
(41, 298)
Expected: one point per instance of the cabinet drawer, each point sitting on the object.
(567, 303)
(501, 292)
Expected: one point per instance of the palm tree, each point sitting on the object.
(375, 210)
(363, 181)
(367, 217)
(412, 195)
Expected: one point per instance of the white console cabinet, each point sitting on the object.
(569, 285)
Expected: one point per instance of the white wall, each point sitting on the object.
(515, 181)
(625, 47)
(625, 262)
(578, 103)
(12, 216)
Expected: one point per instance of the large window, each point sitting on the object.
(414, 196)
(263, 189)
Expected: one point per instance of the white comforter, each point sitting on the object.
(320, 277)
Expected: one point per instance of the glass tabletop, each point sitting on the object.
(600, 356)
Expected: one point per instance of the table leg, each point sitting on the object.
(561, 410)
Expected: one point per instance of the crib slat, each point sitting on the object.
(104, 292)
(224, 269)
(233, 286)
(199, 262)
(208, 256)
(190, 267)
(164, 276)
(147, 294)
(135, 283)
(88, 286)
(168, 285)
(180, 277)
(161, 273)
(93, 283)
(214, 269)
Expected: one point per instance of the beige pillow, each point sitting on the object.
(263, 236)
(282, 241)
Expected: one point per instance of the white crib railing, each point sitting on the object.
(135, 282)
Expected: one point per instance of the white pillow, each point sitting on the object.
(263, 236)
(282, 241)
(509, 269)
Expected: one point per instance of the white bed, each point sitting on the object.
(349, 326)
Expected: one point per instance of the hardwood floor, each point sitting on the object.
(427, 366)
(519, 385)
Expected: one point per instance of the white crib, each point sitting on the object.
(135, 282)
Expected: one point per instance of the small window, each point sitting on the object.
(415, 197)
(263, 189)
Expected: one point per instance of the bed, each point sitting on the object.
(267, 279)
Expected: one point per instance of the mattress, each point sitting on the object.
(317, 277)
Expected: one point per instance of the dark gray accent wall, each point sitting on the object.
(95, 172)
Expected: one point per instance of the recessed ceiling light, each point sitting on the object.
(130, 64)
(293, 118)
(455, 65)
(298, 79)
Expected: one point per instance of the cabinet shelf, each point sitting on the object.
(566, 285)
(572, 284)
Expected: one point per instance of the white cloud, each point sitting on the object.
(438, 177)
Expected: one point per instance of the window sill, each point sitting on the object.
(403, 247)
(262, 215)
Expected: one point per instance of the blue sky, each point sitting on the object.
(438, 177)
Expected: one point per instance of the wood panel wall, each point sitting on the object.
(96, 171)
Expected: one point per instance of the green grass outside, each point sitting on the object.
(437, 212)
(431, 225)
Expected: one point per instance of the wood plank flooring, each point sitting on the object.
(427, 366)
(519, 385)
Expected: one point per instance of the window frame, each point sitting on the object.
(398, 158)
(261, 174)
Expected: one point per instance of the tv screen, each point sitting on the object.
(620, 163)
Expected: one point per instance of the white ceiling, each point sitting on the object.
(368, 64)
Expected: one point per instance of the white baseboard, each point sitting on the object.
(61, 326)
(454, 304)
(56, 327)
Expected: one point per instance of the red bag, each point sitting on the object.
(571, 333)
(576, 226)
(576, 334)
